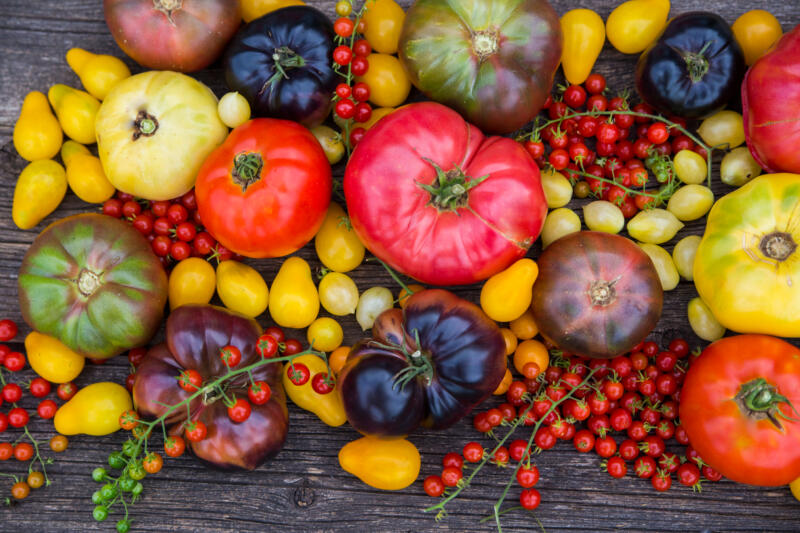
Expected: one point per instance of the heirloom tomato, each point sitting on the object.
(265, 191)
(182, 35)
(435, 199)
(746, 268)
(739, 407)
(94, 410)
(384, 464)
(491, 60)
(336, 243)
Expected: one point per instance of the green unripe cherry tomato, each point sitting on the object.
(99, 474)
(137, 489)
(126, 484)
(97, 498)
(136, 472)
(116, 460)
(100, 513)
(123, 526)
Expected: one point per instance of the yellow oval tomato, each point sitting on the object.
(384, 21)
(634, 24)
(388, 82)
(294, 300)
(531, 351)
(253, 9)
(525, 326)
(690, 202)
(337, 245)
(99, 73)
(703, 322)
(665, 266)
(338, 294)
(604, 216)
(76, 111)
(381, 463)
(233, 109)
(192, 281)
(722, 129)
(40, 188)
(690, 167)
(655, 226)
(557, 189)
(507, 294)
(584, 35)
(325, 334)
(372, 303)
(683, 255)
(328, 407)
(37, 133)
(338, 358)
(94, 410)
(51, 359)
(241, 288)
(756, 31)
(85, 176)
(559, 222)
(331, 142)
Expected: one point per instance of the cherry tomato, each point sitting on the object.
(473, 452)
(267, 345)
(343, 90)
(196, 431)
(292, 346)
(238, 412)
(3, 422)
(59, 443)
(530, 499)
(362, 48)
(8, 330)
(20, 490)
(174, 446)
(616, 467)
(433, 486)
(528, 477)
(575, 96)
(342, 55)
(451, 476)
(359, 66)
(11, 392)
(259, 393)
(190, 380)
(231, 356)
(65, 391)
(6, 451)
(23, 451)
(661, 481)
(657, 133)
(47, 409)
(345, 109)
(595, 83)
(14, 361)
(322, 384)
(152, 463)
(298, 373)
(343, 27)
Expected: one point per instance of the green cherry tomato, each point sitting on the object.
(129, 448)
(99, 474)
(127, 484)
(116, 460)
(136, 472)
(108, 491)
(123, 526)
(100, 513)
(97, 498)
(137, 489)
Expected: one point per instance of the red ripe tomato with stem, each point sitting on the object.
(47, 409)
(473, 452)
(652, 445)
(451, 476)
(605, 446)
(637, 431)
(18, 417)
(322, 384)
(190, 380)
(298, 373)
(620, 419)
(530, 499)
(433, 486)
(11, 392)
(669, 462)
(528, 476)
(259, 392)
(517, 448)
(616, 467)
(574, 96)
(195, 430)
(544, 438)
(65, 391)
(645, 466)
(452, 459)
(23, 451)
(292, 346)
(3, 423)
(239, 411)
(359, 66)
(174, 446)
(584, 441)
(628, 449)
(267, 345)
(661, 481)
(14, 361)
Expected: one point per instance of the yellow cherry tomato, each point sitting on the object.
(690, 202)
(377, 114)
(385, 464)
(336, 243)
(738, 167)
(507, 294)
(338, 358)
(722, 128)
(94, 410)
(505, 383)
(338, 294)
(634, 24)
(325, 334)
(690, 167)
(372, 303)
(655, 226)
(525, 326)
(531, 351)
(241, 288)
(559, 222)
(76, 111)
(233, 109)
(584, 35)
(683, 255)
(384, 20)
(665, 266)
(402, 296)
(51, 359)
(703, 322)
(604, 216)
(388, 82)
(328, 407)
(294, 300)
(85, 174)
(98, 72)
(252, 9)
(40, 188)
(331, 142)
(756, 31)
(37, 133)
(557, 189)
(510, 340)
(192, 281)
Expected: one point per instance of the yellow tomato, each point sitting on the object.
(98, 72)
(338, 358)
(377, 114)
(294, 301)
(381, 463)
(328, 407)
(387, 79)
(525, 326)
(51, 359)
(384, 20)
(584, 35)
(634, 24)
(402, 296)
(252, 9)
(233, 109)
(654, 226)
(40, 188)
(531, 351)
(505, 383)
(76, 111)
(37, 133)
(690, 202)
(794, 486)
(690, 167)
(756, 31)
(723, 128)
(241, 288)
(559, 222)
(372, 303)
(510, 340)
(557, 189)
(703, 322)
(192, 281)
(94, 410)
(338, 294)
(507, 294)
(665, 266)
(331, 142)
(337, 245)
(325, 334)
(85, 174)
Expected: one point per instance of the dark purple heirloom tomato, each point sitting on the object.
(430, 363)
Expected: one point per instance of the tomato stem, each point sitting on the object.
(761, 399)
(696, 63)
(450, 189)
(247, 168)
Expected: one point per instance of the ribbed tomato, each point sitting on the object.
(433, 197)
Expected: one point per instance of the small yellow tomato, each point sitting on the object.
(338, 294)
(388, 82)
(344, 8)
(331, 142)
(510, 340)
(794, 486)
(690, 202)
(739, 167)
(505, 383)
(233, 109)
(507, 294)
(338, 358)
(756, 31)
(40, 188)
(252, 9)
(373, 302)
(241, 288)
(51, 359)
(328, 407)
(85, 174)
(531, 351)
(557, 189)
(690, 167)
(377, 114)
(703, 322)
(683, 255)
(336, 243)
(525, 326)
(381, 463)
(76, 111)
(99, 73)
(559, 222)
(604, 216)
(37, 133)
(655, 226)
(723, 129)
(665, 266)
(402, 296)
(294, 300)
(192, 281)
(584, 35)
(94, 410)
(384, 20)
(325, 334)
(634, 24)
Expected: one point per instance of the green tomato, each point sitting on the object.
(100, 513)
(690, 202)
(690, 167)
(665, 267)
(654, 226)
(136, 472)
(559, 222)
(123, 526)
(116, 460)
(603, 216)
(137, 489)
(99, 474)
(683, 255)
(703, 322)
(97, 498)
(557, 189)
(108, 491)
(738, 167)
(126, 484)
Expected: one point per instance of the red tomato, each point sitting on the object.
(438, 201)
(735, 407)
(264, 192)
(160, 36)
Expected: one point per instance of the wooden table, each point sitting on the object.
(303, 488)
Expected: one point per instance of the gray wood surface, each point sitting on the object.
(303, 489)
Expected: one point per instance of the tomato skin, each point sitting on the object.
(185, 39)
(741, 447)
(389, 209)
(280, 211)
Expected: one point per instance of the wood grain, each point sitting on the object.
(303, 488)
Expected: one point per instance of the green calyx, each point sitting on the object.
(761, 400)
(284, 59)
(450, 189)
(247, 167)
(697, 63)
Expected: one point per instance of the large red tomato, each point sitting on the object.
(264, 192)
(739, 407)
(182, 35)
(434, 198)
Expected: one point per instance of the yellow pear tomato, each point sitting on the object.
(94, 410)
(192, 281)
(51, 359)
(756, 31)
(85, 174)
(99, 73)
(37, 133)
(241, 288)
(76, 111)
(294, 300)
(40, 188)
(634, 24)
(381, 463)
(384, 21)
(507, 294)
(584, 35)
(336, 243)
